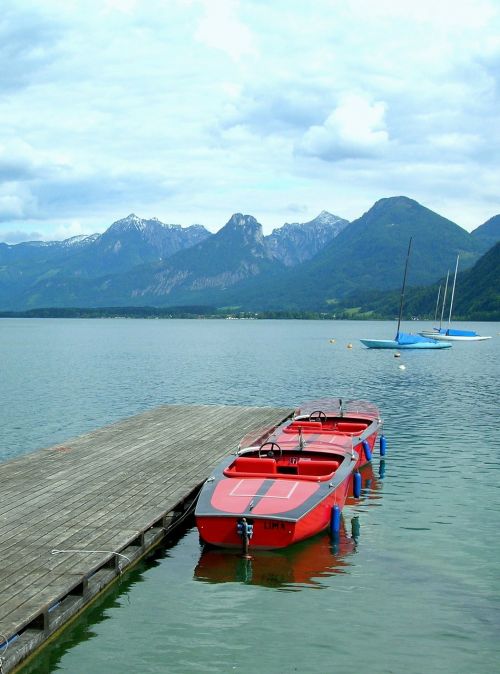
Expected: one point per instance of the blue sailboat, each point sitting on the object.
(404, 340)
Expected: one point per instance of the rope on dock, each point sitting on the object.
(90, 552)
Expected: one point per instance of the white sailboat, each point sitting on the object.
(448, 334)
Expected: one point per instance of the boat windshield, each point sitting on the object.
(332, 407)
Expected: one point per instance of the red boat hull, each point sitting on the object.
(269, 532)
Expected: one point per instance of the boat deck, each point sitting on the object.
(73, 516)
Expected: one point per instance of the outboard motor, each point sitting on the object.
(245, 530)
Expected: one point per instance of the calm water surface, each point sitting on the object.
(418, 590)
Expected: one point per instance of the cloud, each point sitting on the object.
(461, 143)
(20, 161)
(18, 236)
(16, 202)
(70, 229)
(12, 207)
(28, 44)
(354, 129)
(193, 109)
(93, 191)
(220, 28)
(296, 208)
(125, 6)
(288, 106)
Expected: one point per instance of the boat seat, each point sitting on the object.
(304, 426)
(252, 464)
(349, 427)
(306, 467)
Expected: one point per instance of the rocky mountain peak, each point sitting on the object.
(324, 219)
(129, 223)
(326, 216)
(296, 242)
(238, 220)
(244, 228)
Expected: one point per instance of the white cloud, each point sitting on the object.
(19, 236)
(20, 161)
(11, 207)
(29, 44)
(125, 6)
(16, 203)
(456, 142)
(220, 28)
(72, 228)
(355, 128)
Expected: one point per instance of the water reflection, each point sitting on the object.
(372, 476)
(85, 628)
(301, 565)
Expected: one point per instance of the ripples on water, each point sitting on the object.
(419, 590)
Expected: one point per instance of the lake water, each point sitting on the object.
(416, 590)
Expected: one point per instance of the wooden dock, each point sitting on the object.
(74, 516)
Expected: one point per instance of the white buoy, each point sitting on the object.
(332, 341)
(349, 346)
(402, 367)
(397, 355)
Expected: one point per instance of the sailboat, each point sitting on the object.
(405, 340)
(448, 333)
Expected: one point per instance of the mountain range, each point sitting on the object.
(103, 267)
(314, 265)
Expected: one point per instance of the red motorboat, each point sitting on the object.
(286, 484)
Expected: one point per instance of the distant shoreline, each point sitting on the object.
(189, 312)
(167, 313)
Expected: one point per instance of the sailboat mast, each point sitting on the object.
(453, 292)
(403, 288)
(437, 303)
(444, 300)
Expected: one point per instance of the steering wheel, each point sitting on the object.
(270, 451)
(318, 415)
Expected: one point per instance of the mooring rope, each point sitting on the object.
(90, 552)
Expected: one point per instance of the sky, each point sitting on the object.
(191, 110)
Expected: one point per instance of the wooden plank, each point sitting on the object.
(43, 486)
(99, 492)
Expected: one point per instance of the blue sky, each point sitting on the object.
(191, 110)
